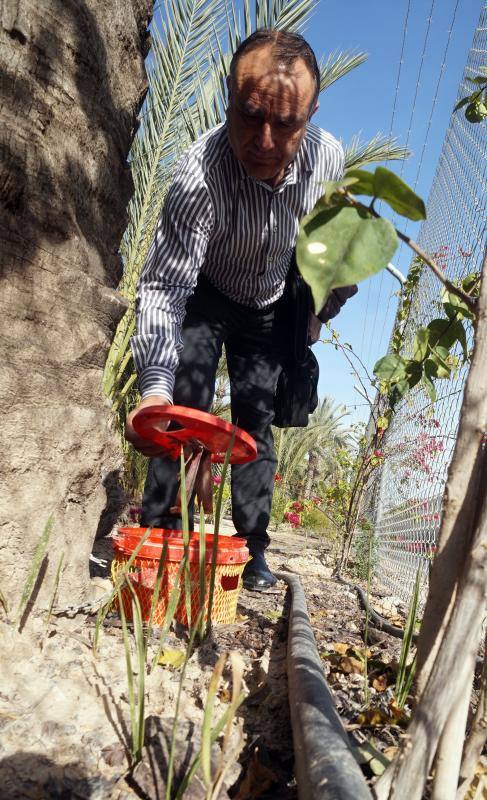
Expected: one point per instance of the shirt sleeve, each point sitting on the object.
(167, 279)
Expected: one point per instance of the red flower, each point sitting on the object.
(293, 518)
(216, 480)
(277, 477)
(297, 505)
(378, 453)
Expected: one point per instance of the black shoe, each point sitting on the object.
(256, 575)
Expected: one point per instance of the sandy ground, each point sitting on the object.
(64, 714)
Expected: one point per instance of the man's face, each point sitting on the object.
(268, 109)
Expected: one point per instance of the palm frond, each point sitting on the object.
(379, 148)
(284, 15)
(324, 434)
(338, 64)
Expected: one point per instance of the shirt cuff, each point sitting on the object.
(158, 381)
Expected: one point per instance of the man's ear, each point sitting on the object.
(229, 86)
(314, 109)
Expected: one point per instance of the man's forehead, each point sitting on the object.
(259, 70)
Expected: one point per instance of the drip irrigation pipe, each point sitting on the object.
(379, 621)
(324, 764)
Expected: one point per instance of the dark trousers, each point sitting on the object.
(255, 345)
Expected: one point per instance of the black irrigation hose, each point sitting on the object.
(379, 621)
(324, 764)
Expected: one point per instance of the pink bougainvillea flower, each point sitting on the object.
(378, 453)
(297, 505)
(216, 480)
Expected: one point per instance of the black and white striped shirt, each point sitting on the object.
(235, 229)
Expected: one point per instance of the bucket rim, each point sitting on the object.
(231, 549)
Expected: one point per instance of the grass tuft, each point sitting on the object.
(37, 560)
(406, 672)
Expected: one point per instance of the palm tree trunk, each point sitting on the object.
(72, 84)
(311, 473)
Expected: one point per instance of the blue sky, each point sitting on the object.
(362, 102)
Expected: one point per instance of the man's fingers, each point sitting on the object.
(144, 446)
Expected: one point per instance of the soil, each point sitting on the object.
(65, 717)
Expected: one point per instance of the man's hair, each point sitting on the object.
(286, 49)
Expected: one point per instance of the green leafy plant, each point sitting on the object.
(185, 526)
(37, 560)
(475, 104)
(118, 582)
(136, 681)
(187, 656)
(343, 241)
(407, 667)
(57, 578)
(432, 350)
(216, 527)
(214, 782)
(365, 552)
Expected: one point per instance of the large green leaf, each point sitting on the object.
(445, 332)
(387, 186)
(341, 246)
(390, 368)
(398, 195)
(363, 181)
(420, 347)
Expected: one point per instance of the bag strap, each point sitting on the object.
(302, 306)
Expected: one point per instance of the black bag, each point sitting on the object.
(296, 394)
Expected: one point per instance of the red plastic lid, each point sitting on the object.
(231, 549)
(196, 427)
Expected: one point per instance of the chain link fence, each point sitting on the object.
(407, 495)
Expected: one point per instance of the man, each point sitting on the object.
(216, 271)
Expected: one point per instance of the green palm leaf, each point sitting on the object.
(379, 148)
(337, 65)
(324, 434)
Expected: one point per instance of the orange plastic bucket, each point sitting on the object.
(231, 557)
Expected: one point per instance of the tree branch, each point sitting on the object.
(469, 301)
(477, 737)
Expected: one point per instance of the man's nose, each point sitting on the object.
(265, 140)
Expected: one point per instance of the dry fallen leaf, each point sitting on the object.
(340, 647)
(171, 658)
(380, 683)
(351, 665)
(373, 717)
(258, 779)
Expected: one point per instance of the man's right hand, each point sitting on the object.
(144, 446)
